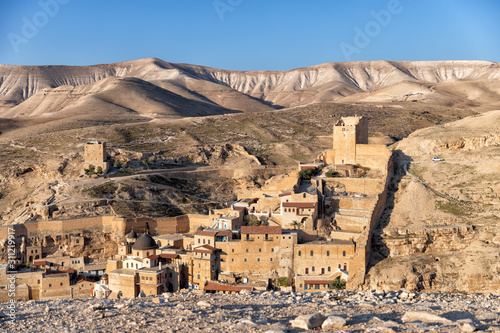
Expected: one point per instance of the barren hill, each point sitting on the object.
(155, 88)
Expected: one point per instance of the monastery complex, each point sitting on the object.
(307, 231)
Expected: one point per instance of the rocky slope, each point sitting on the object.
(271, 312)
(443, 234)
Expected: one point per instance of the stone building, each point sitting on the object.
(140, 267)
(96, 155)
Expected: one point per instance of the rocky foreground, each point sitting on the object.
(401, 311)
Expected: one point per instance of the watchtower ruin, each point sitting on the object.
(95, 154)
(347, 133)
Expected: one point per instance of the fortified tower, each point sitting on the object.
(95, 154)
(347, 133)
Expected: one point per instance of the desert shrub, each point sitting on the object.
(90, 171)
(253, 220)
(99, 170)
(331, 173)
(307, 174)
(337, 284)
(282, 281)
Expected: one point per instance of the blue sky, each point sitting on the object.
(247, 34)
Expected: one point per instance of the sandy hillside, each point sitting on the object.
(472, 84)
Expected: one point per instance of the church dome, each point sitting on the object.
(144, 242)
(131, 235)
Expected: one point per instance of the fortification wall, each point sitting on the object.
(373, 156)
(361, 185)
(110, 224)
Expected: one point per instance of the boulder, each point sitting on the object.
(308, 322)
(333, 323)
(425, 317)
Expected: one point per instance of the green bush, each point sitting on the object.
(253, 220)
(282, 281)
(90, 171)
(337, 284)
(99, 170)
(307, 174)
(331, 173)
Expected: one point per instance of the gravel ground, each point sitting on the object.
(374, 311)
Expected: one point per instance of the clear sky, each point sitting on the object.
(247, 34)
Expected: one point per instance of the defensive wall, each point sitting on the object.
(118, 226)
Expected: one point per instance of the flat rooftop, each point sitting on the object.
(330, 242)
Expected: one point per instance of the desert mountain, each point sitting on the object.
(155, 88)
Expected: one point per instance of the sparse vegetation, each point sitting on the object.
(337, 284)
(282, 281)
(307, 174)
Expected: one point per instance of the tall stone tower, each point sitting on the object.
(347, 133)
(95, 154)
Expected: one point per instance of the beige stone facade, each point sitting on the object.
(96, 155)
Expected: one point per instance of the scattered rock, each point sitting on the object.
(424, 317)
(333, 323)
(308, 322)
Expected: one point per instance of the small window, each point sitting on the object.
(317, 286)
(272, 250)
(328, 253)
(232, 250)
(199, 241)
(270, 259)
(247, 250)
(258, 259)
(209, 241)
(50, 285)
(339, 266)
(312, 268)
(61, 284)
(198, 276)
(300, 285)
(245, 260)
(305, 286)
(329, 269)
(300, 253)
(312, 253)
(260, 250)
(232, 259)
(307, 270)
(343, 253)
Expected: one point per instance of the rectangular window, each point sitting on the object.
(232, 250)
(270, 259)
(312, 253)
(343, 253)
(232, 259)
(198, 276)
(247, 250)
(258, 259)
(317, 286)
(300, 253)
(305, 286)
(245, 260)
(61, 284)
(50, 285)
(300, 285)
(307, 270)
(328, 253)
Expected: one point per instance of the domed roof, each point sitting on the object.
(144, 242)
(131, 235)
